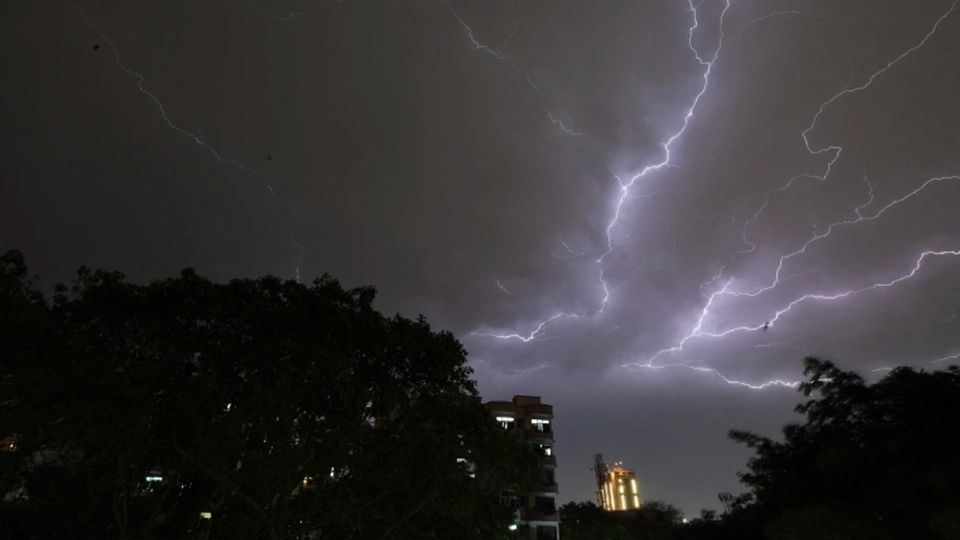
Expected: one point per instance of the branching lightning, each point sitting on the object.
(625, 186)
(861, 214)
(833, 150)
(197, 139)
(504, 55)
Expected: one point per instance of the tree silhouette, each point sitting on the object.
(252, 409)
(878, 461)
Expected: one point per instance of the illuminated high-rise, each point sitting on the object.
(616, 486)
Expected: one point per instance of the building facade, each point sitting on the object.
(616, 486)
(531, 421)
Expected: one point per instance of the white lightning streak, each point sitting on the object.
(625, 186)
(918, 264)
(507, 56)
(833, 149)
(721, 376)
(859, 219)
(945, 358)
(696, 332)
(140, 79)
(666, 145)
(140, 82)
(533, 334)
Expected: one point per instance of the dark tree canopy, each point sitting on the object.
(872, 461)
(283, 410)
(654, 520)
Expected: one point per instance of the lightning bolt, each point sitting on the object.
(719, 375)
(197, 139)
(666, 146)
(860, 218)
(532, 335)
(504, 55)
(833, 150)
(571, 253)
(626, 185)
(697, 331)
(954, 356)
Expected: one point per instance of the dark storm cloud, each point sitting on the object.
(380, 139)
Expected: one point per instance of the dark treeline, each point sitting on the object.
(874, 461)
(267, 409)
(254, 409)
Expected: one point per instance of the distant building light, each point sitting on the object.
(685, 520)
(512, 527)
(153, 478)
(228, 407)
(206, 515)
(505, 421)
(540, 424)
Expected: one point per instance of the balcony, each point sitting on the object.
(537, 435)
(551, 488)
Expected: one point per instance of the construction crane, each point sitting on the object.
(601, 471)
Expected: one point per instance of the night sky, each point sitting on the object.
(645, 211)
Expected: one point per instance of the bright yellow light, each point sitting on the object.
(206, 515)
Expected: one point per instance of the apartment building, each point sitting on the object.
(531, 421)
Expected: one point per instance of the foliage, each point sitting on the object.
(871, 461)
(655, 520)
(874, 461)
(284, 410)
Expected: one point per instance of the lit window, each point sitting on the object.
(206, 515)
(153, 478)
(512, 527)
(540, 424)
(506, 422)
